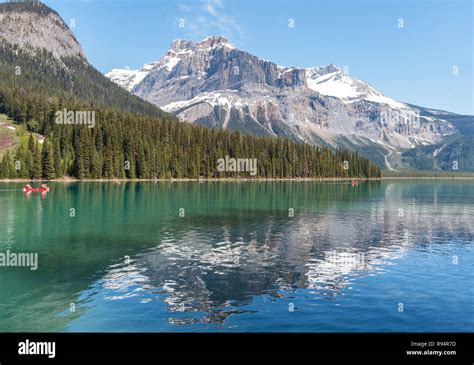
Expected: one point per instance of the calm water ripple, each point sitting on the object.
(281, 256)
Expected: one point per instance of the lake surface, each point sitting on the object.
(256, 256)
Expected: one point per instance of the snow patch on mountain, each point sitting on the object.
(332, 81)
(211, 98)
(129, 78)
(179, 49)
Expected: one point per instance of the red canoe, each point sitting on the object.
(27, 189)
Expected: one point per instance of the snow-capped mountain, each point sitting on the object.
(127, 78)
(332, 81)
(215, 84)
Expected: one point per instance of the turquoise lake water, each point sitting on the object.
(385, 256)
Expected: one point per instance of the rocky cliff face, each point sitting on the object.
(34, 26)
(217, 85)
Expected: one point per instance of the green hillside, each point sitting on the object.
(454, 153)
(130, 138)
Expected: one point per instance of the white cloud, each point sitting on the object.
(185, 8)
(209, 17)
(211, 7)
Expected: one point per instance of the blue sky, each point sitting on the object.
(415, 63)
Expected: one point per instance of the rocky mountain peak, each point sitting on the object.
(207, 44)
(181, 44)
(34, 25)
(215, 41)
(315, 72)
(214, 84)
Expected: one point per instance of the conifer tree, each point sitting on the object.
(47, 161)
(37, 171)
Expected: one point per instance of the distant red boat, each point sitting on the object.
(29, 189)
(354, 183)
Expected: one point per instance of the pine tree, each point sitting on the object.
(48, 161)
(57, 158)
(37, 171)
(7, 169)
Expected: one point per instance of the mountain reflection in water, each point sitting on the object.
(131, 263)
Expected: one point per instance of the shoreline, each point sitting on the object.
(359, 179)
(71, 180)
(428, 178)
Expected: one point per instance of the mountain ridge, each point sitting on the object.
(26, 23)
(214, 84)
(129, 137)
(40, 52)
